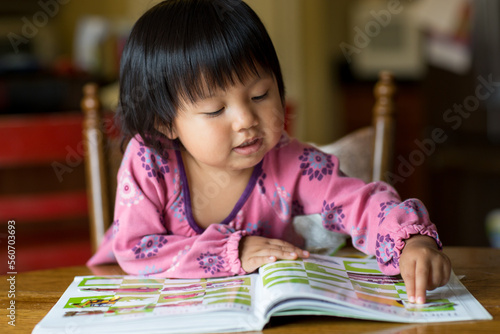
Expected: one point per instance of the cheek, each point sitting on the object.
(275, 119)
(206, 137)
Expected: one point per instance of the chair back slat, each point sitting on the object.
(95, 165)
(384, 124)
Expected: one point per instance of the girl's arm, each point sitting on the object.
(151, 234)
(372, 214)
(213, 253)
(400, 234)
(141, 243)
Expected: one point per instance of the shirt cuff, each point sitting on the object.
(233, 253)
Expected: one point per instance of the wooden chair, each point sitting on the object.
(365, 153)
(102, 160)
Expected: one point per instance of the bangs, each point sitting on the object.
(214, 51)
(206, 79)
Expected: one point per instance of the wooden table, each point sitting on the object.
(36, 292)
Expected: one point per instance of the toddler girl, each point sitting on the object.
(210, 183)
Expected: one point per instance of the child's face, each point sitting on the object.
(232, 130)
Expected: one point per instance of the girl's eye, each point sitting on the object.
(260, 97)
(215, 113)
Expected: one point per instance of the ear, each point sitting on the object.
(169, 133)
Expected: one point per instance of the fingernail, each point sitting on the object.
(306, 253)
(293, 254)
(411, 299)
(420, 300)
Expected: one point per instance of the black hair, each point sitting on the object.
(175, 47)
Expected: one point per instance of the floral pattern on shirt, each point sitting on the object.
(260, 182)
(177, 182)
(378, 187)
(225, 229)
(385, 250)
(150, 270)
(385, 208)
(414, 207)
(178, 208)
(280, 202)
(359, 238)
(128, 191)
(149, 246)
(112, 231)
(315, 164)
(155, 165)
(177, 258)
(210, 263)
(115, 227)
(332, 216)
(260, 228)
(237, 223)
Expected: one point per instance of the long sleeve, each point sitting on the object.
(372, 214)
(150, 233)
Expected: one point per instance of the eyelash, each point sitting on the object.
(260, 97)
(255, 99)
(215, 113)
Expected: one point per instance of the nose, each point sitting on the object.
(244, 118)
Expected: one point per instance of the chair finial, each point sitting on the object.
(90, 101)
(384, 94)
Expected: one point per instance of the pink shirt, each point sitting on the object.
(154, 232)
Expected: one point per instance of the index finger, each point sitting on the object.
(408, 274)
(421, 279)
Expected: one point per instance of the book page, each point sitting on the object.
(357, 288)
(126, 303)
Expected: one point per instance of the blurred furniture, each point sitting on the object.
(365, 153)
(464, 170)
(38, 291)
(102, 160)
(36, 140)
(38, 159)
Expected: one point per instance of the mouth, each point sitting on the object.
(249, 143)
(249, 146)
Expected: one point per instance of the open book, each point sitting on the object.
(320, 285)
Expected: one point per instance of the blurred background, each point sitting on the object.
(444, 55)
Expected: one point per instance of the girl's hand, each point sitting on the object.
(423, 267)
(256, 251)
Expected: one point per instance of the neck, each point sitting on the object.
(214, 192)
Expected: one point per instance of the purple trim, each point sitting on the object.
(187, 195)
(257, 170)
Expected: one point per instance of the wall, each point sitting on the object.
(75, 9)
(305, 33)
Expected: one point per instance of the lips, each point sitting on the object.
(248, 143)
(249, 146)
